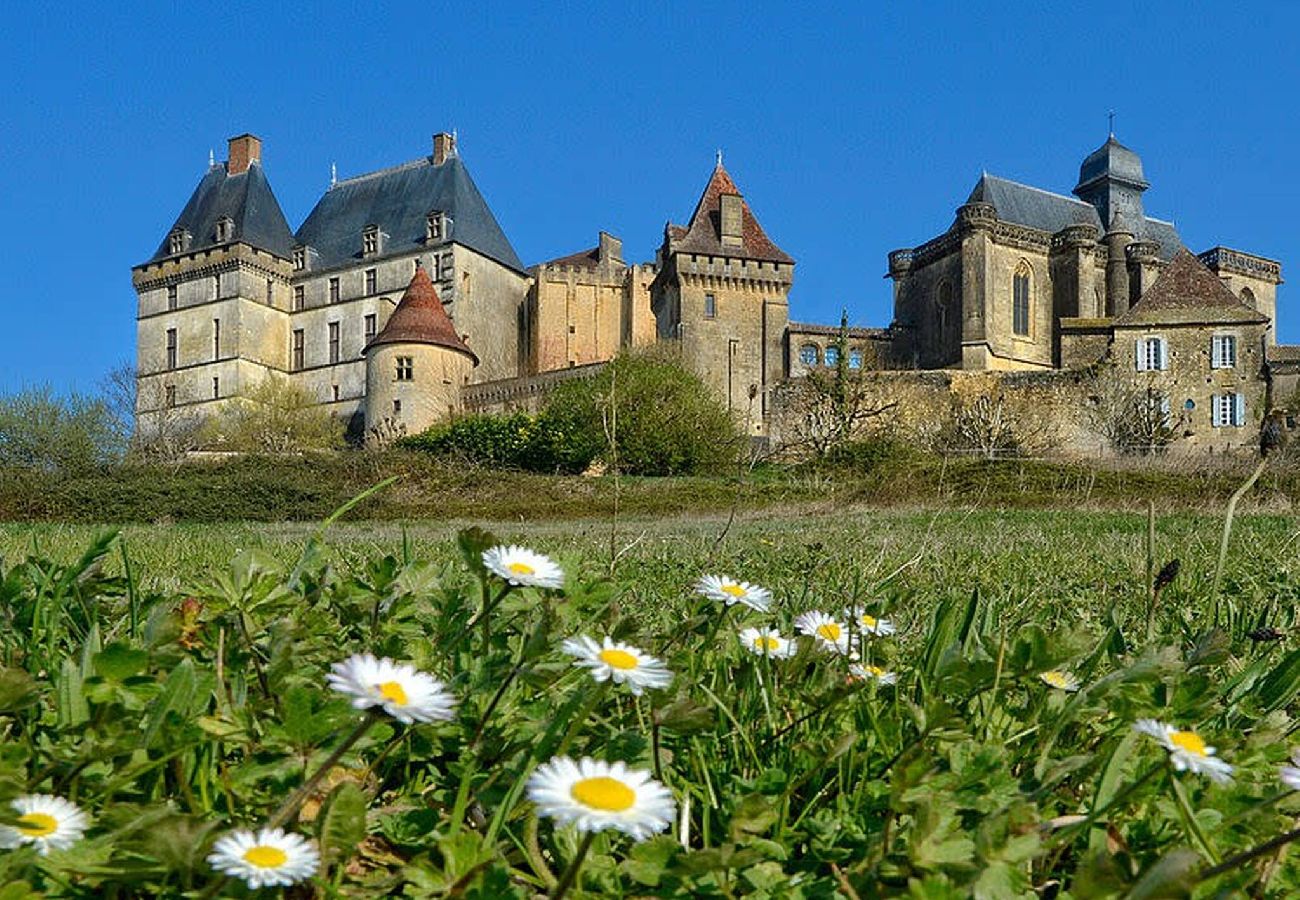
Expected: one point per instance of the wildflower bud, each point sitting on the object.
(1265, 634)
(1167, 574)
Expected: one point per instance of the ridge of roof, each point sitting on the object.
(1185, 291)
(377, 173)
(420, 318)
(703, 234)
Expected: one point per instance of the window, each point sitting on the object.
(171, 296)
(296, 357)
(832, 355)
(299, 297)
(1248, 297)
(216, 339)
(299, 258)
(270, 292)
(1227, 410)
(433, 226)
(371, 281)
(370, 328)
(1223, 351)
(170, 395)
(710, 306)
(855, 358)
(216, 287)
(171, 348)
(809, 354)
(370, 240)
(445, 267)
(216, 388)
(225, 229)
(334, 342)
(433, 269)
(1020, 301)
(405, 368)
(397, 407)
(176, 242)
(334, 290)
(1152, 354)
(335, 393)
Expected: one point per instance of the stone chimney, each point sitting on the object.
(444, 146)
(610, 249)
(732, 224)
(244, 151)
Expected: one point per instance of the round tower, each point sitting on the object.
(417, 365)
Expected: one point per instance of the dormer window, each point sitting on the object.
(370, 240)
(225, 229)
(299, 258)
(178, 241)
(433, 226)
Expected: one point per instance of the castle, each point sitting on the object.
(399, 302)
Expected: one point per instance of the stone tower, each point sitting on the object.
(417, 365)
(721, 293)
(214, 297)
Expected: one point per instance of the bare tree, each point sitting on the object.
(163, 431)
(994, 424)
(1135, 416)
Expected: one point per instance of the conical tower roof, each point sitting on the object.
(420, 319)
(704, 233)
(1113, 161)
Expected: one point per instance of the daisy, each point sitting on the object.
(731, 592)
(596, 796)
(1187, 750)
(869, 624)
(622, 663)
(767, 642)
(1291, 774)
(404, 693)
(522, 567)
(857, 670)
(48, 822)
(828, 633)
(1059, 679)
(268, 858)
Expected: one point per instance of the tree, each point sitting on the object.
(65, 434)
(1135, 416)
(994, 423)
(276, 416)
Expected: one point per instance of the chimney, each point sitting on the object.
(610, 249)
(733, 226)
(444, 146)
(244, 151)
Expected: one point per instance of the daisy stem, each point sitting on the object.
(571, 873)
(1235, 862)
(290, 806)
(1189, 819)
(486, 617)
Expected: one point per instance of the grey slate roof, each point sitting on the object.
(246, 199)
(1034, 207)
(1112, 159)
(399, 201)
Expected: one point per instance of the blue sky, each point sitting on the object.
(852, 129)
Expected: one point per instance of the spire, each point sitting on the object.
(1110, 126)
(421, 319)
(719, 164)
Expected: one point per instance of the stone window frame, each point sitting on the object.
(433, 225)
(298, 350)
(299, 297)
(1022, 299)
(1228, 410)
(370, 240)
(173, 296)
(710, 305)
(169, 396)
(335, 291)
(369, 328)
(216, 338)
(1218, 341)
(225, 229)
(405, 368)
(371, 281)
(173, 349)
(299, 258)
(335, 343)
(216, 387)
(816, 355)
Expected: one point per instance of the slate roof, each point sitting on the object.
(246, 199)
(1115, 160)
(1022, 204)
(704, 233)
(399, 201)
(420, 319)
(1186, 293)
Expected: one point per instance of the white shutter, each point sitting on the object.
(1139, 355)
(1216, 352)
(1238, 409)
(1214, 411)
(1164, 355)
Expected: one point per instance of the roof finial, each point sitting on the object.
(719, 156)
(212, 158)
(334, 174)
(1111, 119)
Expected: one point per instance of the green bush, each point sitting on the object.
(664, 419)
(276, 416)
(42, 431)
(869, 455)
(516, 441)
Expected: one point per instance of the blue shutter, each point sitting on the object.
(1238, 409)
(1214, 411)
(1164, 355)
(1216, 352)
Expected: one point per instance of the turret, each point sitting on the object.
(1118, 237)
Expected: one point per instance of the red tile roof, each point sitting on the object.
(1186, 292)
(704, 233)
(585, 259)
(420, 319)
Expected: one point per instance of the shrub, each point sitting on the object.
(515, 441)
(663, 419)
(42, 431)
(276, 416)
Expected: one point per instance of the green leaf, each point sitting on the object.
(1281, 684)
(72, 706)
(753, 815)
(118, 662)
(176, 696)
(343, 822)
(18, 690)
(685, 716)
(1172, 877)
(471, 542)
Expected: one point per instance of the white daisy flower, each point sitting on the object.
(268, 858)
(767, 642)
(523, 567)
(1290, 775)
(875, 673)
(729, 591)
(597, 796)
(827, 632)
(1059, 679)
(869, 624)
(46, 821)
(622, 663)
(405, 693)
(1187, 750)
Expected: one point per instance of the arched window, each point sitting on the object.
(832, 355)
(855, 358)
(1248, 297)
(1020, 300)
(808, 354)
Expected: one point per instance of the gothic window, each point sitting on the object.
(809, 354)
(710, 306)
(405, 368)
(1020, 300)
(1152, 354)
(334, 342)
(296, 359)
(832, 355)
(371, 281)
(1223, 351)
(370, 240)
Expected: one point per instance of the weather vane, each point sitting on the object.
(1111, 117)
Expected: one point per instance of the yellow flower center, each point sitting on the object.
(869, 621)
(1056, 679)
(618, 659)
(734, 590)
(830, 631)
(764, 642)
(521, 568)
(603, 793)
(875, 671)
(265, 857)
(37, 824)
(393, 692)
(1189, 741)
